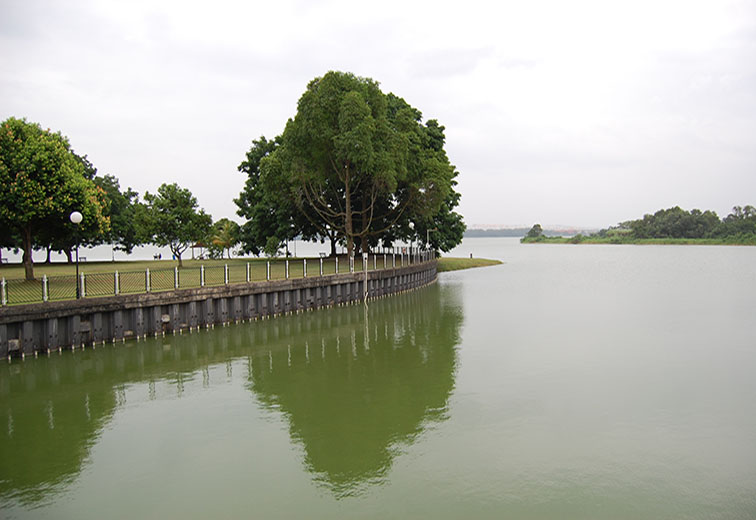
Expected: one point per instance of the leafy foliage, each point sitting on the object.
(225, 235)
(355, 165)
(535, 231)
(123, 207)
(43, 182)
(172, 218)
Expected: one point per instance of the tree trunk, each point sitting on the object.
(69, 255)
(28, 261)
(332, 237)
(348, 210)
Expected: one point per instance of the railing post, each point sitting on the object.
(4, 293)
(304, 268)
(248, 272)
(321, 266)
(393, 259)
(225, 274)
(351, 264)
(83, 285)
(116, 284)
(365, 269)
(287, 268)
(175, 277)
(337, 265)
(267, 270)
(147, 280)
(375, 262)
(202, 276)
(44, 288)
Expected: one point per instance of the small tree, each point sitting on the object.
(225, 235)
(535, 232)
(173, 219)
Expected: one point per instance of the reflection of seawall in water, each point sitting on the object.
(354, 384)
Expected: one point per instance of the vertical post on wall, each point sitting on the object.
(365, 268)
(375, 262)
(175, 278)
(147, 280)
(287, 268)
(116, 284)
(267, 270)
(225, 274)
(4, 295)
(248, 272)
(304, 267)
(202, 276)
(337, 265)
(321, 266)
(83, 285)
(44, 288)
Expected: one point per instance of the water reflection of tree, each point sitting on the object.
(54, 414)
(353, 388)
(357, 392)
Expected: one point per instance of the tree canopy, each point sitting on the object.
(123, 207)
(535, 232)
(356, 165)
(224, 236)
(43, 182)
(172, 218)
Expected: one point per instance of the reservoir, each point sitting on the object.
(569, 382)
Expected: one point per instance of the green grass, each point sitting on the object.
(455, 264)
(100, 276)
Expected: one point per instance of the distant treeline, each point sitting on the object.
(672, 225)
(511, 232)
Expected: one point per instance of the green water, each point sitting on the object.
(569, 382)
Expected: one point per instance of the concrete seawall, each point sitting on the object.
(28, 329)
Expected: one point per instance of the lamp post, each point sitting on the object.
(412, 239)
(76, 219)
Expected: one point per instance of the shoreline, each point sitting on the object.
(638, 241)
(446, 264)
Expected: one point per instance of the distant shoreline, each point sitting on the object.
(521, 232)
(732, 241)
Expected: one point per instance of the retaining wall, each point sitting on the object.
(28, 329)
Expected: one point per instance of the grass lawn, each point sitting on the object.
(455, 264)
(100, 277)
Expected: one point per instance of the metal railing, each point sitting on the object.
(16, 291)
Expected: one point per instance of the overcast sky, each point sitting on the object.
(581, 113)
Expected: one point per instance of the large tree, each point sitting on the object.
(173, 218)
(43, 181)
(360, 162)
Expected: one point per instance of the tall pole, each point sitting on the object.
(78, 289)
(76, 219)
